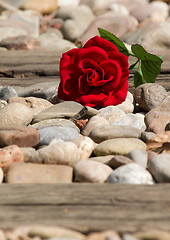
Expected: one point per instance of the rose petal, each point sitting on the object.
(101, 43)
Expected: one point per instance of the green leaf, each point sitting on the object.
(150, 63)
(115, 40)
(138, 79)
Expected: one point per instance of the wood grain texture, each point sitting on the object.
(24, 68)
(86, 207)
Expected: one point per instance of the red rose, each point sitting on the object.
(95, 75)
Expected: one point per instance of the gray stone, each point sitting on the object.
(60, 122)
(157, 119)
(93, 123)
(51, 41)
(7, 92)
(131, 173)
(161, 39)
(120, 146)
(145, 136)
(114, 161)
(55, 132)
(159, 167)
(103, 133)
(76, 21)
(86, 113)
(40, 90)
(119, 25)
(65, 109)
(91, 171)
(15, 114)
(139, 156)
(25, 42)
(149, 95)
(9, 31)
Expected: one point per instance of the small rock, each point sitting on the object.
(119, 146)
(149, 95)
(111, 113)
(157, 119)
(126, 106)
(38, 173)
(40, 90)
(43, 6)
(47, 232)
(59, 152)
(56, 132)
(85, 146)
(142, 36)
(91, 171)
(119, 25)
(22, 136)
(160, 143)
(86, 113)
(106, 132)
(151, 234)
(110, 235)
(159, 167)
(60, 122)
(51, 41)
(76, 22)
(24, 42)
(7, 92)
(131, 173)
(31, 155)
(1, 178)
(15, 114)
(37, 105)
(64, 109)
(3, 103)
(145, 136)
(9, 155)
(9, 31)
(113, 161)
(93, 123)
(139, 156)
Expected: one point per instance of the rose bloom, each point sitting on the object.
(95, 75)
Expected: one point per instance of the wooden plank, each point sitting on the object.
(86, 207)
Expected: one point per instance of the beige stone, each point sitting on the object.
(22, 136)
(86, 146)
(50, 232)
(38, 173)
(157, 119)
(91, 171)
(94, 122)
(9, 155)
(30, 155)
(35, 104)
(1, 176)
(60, 152)
(43, 6)
(106, 132)
(15, 114)
(120, 146)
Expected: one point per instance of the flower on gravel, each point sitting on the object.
(95, 75)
